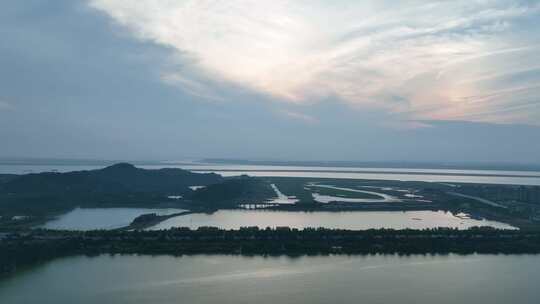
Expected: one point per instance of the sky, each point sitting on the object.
(279, 80)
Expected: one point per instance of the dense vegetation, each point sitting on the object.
(45, 194)
(123, 185)
(229, 193)
(31, 199)
(24, 248)
(7, 177)
(119, 178)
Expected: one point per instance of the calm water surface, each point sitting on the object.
(234, 219)
(101, 218)
(508, 180)
(478, 279)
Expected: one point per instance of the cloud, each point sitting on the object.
(5, 106)
(299, 116)
(415, 58)
(407, 125)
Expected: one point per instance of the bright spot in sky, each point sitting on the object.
(462, 60)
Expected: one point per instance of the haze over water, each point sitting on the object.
(403, 174)
(209, 279)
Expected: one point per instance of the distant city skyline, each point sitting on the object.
(418, 81)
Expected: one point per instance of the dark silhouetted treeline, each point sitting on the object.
(30, 247)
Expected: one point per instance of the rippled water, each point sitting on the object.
(443, 279)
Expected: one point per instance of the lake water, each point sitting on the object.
(85, 219)
(383, 198)
(234, 219)
(418, 279)
(403, 174)
(101, 218)
(282, 199)
(508, 180)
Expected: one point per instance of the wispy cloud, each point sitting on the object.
(299, 116)
(420, 59)
(5, 105)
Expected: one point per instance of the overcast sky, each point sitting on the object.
(296, 80)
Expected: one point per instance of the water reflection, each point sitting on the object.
(422, 279)
(101, 218)
(234, 219)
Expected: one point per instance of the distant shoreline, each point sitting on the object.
(504, 166)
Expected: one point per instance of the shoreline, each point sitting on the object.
(23, 248)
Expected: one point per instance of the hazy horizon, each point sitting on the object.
(71, 164)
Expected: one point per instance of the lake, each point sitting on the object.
(110, 218)
(417, 279)
(101, 218)
(356, 220)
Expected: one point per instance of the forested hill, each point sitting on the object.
(116, 178)
(115, 183)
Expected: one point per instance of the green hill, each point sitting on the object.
(114, 185)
